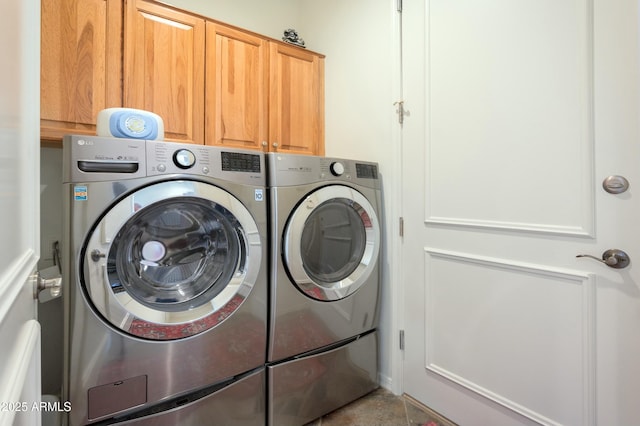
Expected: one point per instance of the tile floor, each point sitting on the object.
(382, 408)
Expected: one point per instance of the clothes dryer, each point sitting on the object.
(166, 283)
(325, 246)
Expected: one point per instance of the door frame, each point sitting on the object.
(395, 205)
(20, 138)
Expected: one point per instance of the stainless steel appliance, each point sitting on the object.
(325, 245)
(166, 283)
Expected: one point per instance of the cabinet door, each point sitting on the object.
(236, 88)
(80, 64)
(296, 104)
(164, 67)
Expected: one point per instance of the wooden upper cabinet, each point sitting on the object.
(262, 94)
(80, 69)
(164, 67)
(236, 88)
(296, 102)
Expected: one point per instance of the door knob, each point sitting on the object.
(615, 184)
(613, 258)
(54, 285)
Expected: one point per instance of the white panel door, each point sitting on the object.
(517, 112)
(19, 211)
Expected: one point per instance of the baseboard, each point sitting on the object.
(385, 382)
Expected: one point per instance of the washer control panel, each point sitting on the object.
(96, 158)
(165, 158)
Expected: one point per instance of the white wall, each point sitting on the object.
(269, 18)
(359, 38)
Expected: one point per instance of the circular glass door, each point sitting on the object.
(172, 260)
(331, 243)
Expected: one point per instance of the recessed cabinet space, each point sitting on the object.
(80, 66)
(211, 83)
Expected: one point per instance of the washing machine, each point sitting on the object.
(324, 284)
(166, 283)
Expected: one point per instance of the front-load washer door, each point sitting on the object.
(331, 242)
(171, 260)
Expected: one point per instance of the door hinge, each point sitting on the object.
(399, 4)
(400, 111)
(401, 226)
(401, 340)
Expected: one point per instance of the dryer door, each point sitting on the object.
(331, 242)
(171, 260)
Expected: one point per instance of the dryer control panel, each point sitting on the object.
(294, 169)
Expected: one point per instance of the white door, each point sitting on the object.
(518, 110)
(19, 211)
